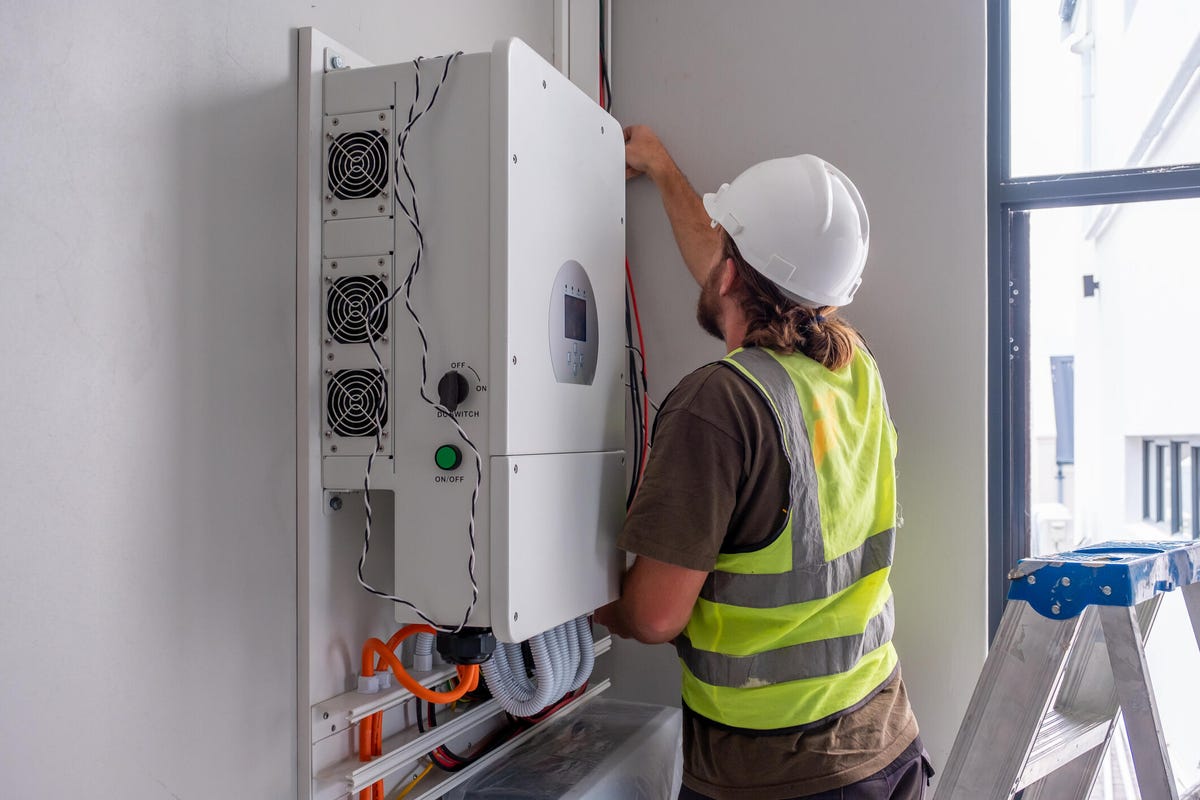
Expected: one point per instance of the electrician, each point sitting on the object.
(765, 522)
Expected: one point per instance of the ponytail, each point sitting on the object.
(776, 322)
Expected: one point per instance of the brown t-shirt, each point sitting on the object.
(718, 476)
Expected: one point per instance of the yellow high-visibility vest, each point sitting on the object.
(799, 629)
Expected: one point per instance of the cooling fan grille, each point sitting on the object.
(356, 402)
(352, 303)
(358, 165)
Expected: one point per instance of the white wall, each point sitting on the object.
(147, 545)
(894, 94)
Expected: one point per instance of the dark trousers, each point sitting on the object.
(903, 779)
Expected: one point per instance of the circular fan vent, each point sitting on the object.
(357, 402)
(348, 303)
(358, 165)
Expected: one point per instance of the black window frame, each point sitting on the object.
(1009, 202)
(1163, 506)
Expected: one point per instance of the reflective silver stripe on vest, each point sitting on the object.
(817, 659)
(810, 582)
(812, 577)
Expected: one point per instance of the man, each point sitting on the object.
(765, 522)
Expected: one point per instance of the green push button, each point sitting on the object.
(448, 457)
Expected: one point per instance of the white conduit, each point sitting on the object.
(562, 662)
(423, 652)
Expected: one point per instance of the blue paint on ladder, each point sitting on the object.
(1111, 574)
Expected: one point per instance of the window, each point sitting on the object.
(1092, 247)
(1169, 485)
(1093, 195)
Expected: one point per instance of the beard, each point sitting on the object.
(708, 307)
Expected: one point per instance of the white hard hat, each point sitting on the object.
(801, 223)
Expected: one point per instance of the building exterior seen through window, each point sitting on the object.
(1100, 392)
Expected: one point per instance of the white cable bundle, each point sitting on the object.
(562, 662)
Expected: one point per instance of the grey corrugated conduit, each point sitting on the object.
(562, 661)
(587, 652)
(423, 652)
(570, 636)
(505, 676)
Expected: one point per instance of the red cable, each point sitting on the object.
(637, 319)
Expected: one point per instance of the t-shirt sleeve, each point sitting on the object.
(682, 511)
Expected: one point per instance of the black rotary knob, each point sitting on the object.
(453, 389)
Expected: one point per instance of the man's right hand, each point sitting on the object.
(644, 153)
(698, 242)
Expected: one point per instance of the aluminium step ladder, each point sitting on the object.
(1067, 664)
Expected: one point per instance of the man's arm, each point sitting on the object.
(697, 239)
(656, 601)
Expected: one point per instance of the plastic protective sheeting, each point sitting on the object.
(608, 749)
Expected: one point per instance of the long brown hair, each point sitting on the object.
(778, 323)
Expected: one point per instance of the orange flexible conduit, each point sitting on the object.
(370, 729)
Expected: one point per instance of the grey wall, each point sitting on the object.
(893, 93)
(147, 542)
(147, 545)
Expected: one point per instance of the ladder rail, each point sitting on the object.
(1067, 667)
(1025, 637)
(1135, 690)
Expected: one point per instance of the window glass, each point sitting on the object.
(1112, 87)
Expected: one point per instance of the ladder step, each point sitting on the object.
(1063, 737)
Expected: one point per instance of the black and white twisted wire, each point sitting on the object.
(414, 219)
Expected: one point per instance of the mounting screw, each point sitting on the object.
(333, 728)
(383, 117)
(328, 434)
(333, 212)
(515, 615)
(328, 279)
(333, 448)
(1107, 590)
(383, 129)
(335, 120)
(330, 356)
(328, 372)
(383, 275)
(1056, 609)
(337, 62)
(380, 262)
(543, 84)
(381, 209)
(383, 339)
(602, 129)
(333, 265)
(1032, 579)
(328, 135)
(384, 434)
(1066, 581)
(328, 198)
(326, 714)
(335, 503)
(514, 158)
(328, 340)
(514, 359)
(514, 469)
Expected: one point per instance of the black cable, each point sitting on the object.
(608, 98)
(636, 408)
